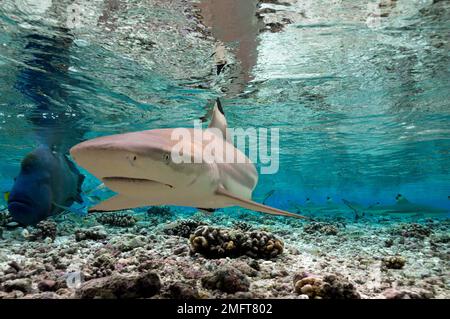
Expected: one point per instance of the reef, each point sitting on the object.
(183, 228)
(412, 230)
(117, 219)
(111, 262)
(214, 242)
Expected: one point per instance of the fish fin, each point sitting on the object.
(218, 120)
(117, 202)
(80, 176)
(351, 205)
(6, 196)
(401, 200)
(249, 204)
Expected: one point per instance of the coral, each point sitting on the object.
(320, 227)
(94, 233)
(182, 228)
(117, 219)
(221, 242)
(327, 287)
(412, 230)
(183, 291)
(393, 262)
(44, 229)
(228, 280)
(5, 218)
(121, 286)
(240, 225)
(102, 266)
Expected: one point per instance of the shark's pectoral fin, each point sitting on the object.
(249, 204)
(117, 202)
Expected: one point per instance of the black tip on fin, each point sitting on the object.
(219, 106)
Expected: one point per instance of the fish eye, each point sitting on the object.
(134, 157)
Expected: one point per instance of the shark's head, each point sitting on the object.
(142, 155)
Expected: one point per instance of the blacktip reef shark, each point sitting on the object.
(402, 206)
(139, 167)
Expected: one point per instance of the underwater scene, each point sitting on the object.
(211, 149)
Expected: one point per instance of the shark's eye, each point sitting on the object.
(134, 158)
(167, 157)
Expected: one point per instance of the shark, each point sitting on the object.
(141, 169)
(402, 206)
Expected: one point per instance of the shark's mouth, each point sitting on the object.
(132, 180)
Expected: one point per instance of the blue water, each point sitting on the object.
(363, 113)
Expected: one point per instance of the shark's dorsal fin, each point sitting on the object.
(246, 203)
(218, 120)
(401, 200)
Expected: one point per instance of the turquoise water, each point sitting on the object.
(363, 112)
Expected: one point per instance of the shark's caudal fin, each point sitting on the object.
(246, 203)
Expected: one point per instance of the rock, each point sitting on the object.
(328, 287)
(12, 225)
(117, 219)
(393, 293)
(121, 287)
(94, 233)
(183, 291)
(13, 264)
(43, 230)
(228, 280)
(393, 262)
(412, 230)
(47, 285)
(21, 284)
(131, 242)
(180, 250)
(148, 284)
(319, 227)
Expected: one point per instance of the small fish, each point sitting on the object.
(268, 195)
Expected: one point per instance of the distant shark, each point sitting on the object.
(402, 206)
(312, 207)
(139, 167)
